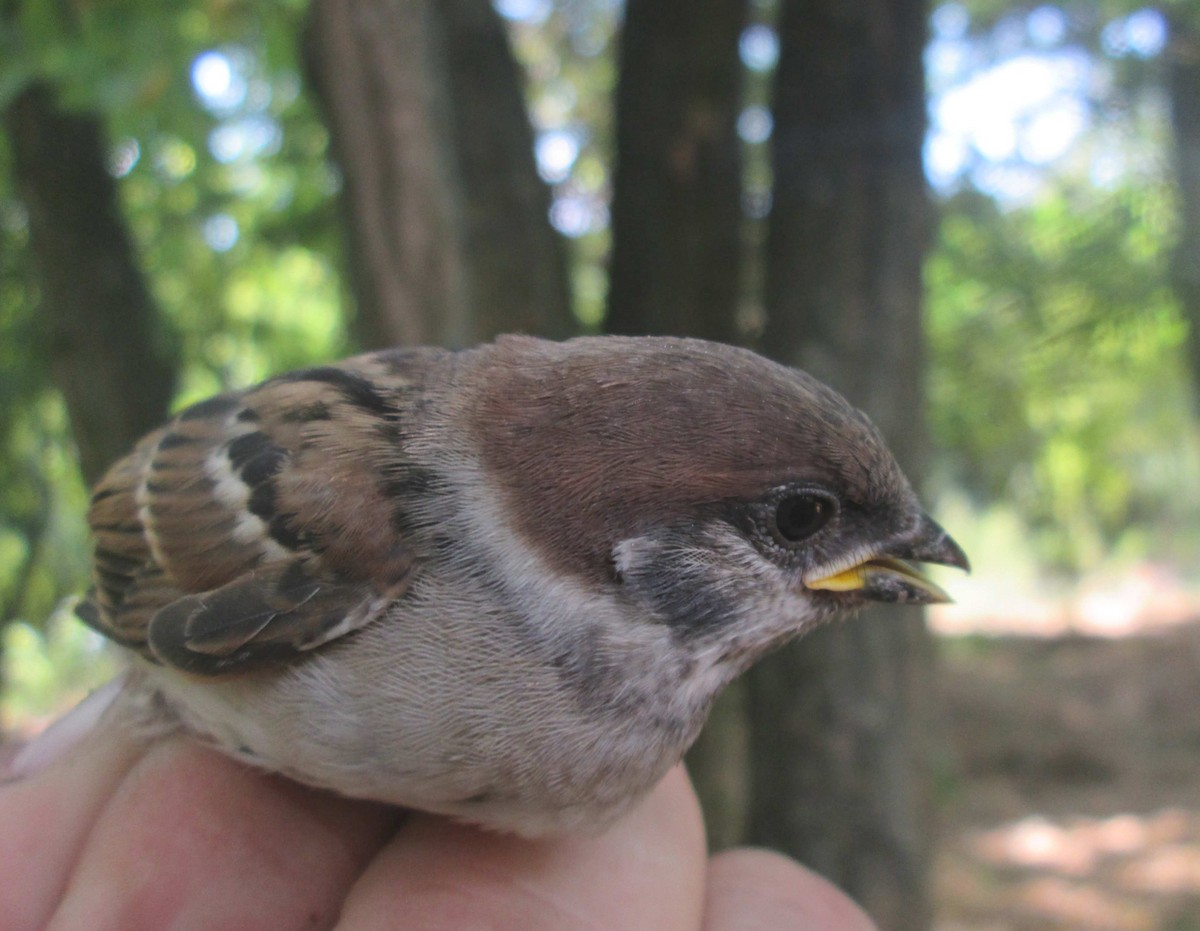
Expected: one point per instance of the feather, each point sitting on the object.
(256, 524)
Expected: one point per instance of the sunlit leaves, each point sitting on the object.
(50, 667)
(1057, 381)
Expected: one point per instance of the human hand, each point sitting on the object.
(124, 835)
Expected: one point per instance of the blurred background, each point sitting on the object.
(979, 220)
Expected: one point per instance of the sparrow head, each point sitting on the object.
(728, 495)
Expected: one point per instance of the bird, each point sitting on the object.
(503, 584)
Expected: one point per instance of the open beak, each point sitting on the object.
(891, 576)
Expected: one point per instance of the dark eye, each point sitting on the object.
(798, 517)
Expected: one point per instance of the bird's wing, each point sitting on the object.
(257, 524)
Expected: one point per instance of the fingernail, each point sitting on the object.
(64, 734)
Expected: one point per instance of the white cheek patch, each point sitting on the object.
(628, 552)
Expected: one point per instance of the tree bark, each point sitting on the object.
(839, 720)
(676, 212)
(448, 228)
(1183, 90)
(110, 353)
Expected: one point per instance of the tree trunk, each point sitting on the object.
(449, 235)
(839, 721)
(1183, 89)
(109, 351)
(676, 213)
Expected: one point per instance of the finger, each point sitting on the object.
(759, 890)
(647, 871)
(191, 839)
(68, 732)
(45, 820)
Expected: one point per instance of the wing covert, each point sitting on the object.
(217, 518)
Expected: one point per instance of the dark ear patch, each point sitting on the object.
(678, 582)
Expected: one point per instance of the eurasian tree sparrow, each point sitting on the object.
(503, 584)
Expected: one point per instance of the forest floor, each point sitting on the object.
(1069, 778)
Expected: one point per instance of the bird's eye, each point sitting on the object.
(799, 516)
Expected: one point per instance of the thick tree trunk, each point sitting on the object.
(109, 352)
(449, 236)
(1183, 88)
(676, 213)
(838, 721)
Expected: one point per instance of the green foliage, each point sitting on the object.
(1057, 382)
(49, 669)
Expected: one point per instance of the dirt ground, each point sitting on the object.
(1070, 782)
